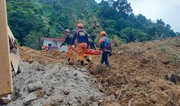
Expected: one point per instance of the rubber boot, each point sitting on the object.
(19, 70)
(69, 60)
(87, 59)
(82, 63)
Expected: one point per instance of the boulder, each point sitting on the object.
(34, 86)
(31, 97)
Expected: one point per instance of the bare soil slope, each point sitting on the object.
(140, 73)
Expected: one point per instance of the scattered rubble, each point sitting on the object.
(55, 86)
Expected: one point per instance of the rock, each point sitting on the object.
(75, 74)
(40, 68)
(139, 103)
(5, 100)
(93, 99)
(175, 78)
(15, 96)
(100, 101)
(34, 86)
(60, 99)
(31, 97)
(55, 102)
(94, 104)
(112, 104)
(110, 98)
(79, 101)
(35, 64)
(70, 103)
(70, 63)
(166, 62)
(83, 70)
(167, 76)
(36, 103)
(40, 93)
(170, 103)
(158, 97)
(154, 98)
(66, 92)
(78, 97)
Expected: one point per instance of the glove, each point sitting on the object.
(100, 49)
(110, 54)
(88, 50)
(73, 47)
(60, 46)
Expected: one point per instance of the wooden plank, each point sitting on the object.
(5, 69)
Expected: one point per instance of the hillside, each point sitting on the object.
(142, 74)
(30, 20)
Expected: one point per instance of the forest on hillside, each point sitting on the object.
(30, 20)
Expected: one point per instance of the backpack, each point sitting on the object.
(107, 43)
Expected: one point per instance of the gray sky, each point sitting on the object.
(167, 10)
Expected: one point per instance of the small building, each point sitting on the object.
(54, 44)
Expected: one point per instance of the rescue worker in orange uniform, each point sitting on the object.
(67, 41)
(105, 47)
(82, 42)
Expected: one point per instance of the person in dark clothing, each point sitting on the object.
(91, 46)
(105, 47)
(91, 43)
(67, 41)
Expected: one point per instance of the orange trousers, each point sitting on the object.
(70, 54)
(81, 48)
(88, 55)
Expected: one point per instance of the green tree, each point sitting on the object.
(33, 19)
(131, 35)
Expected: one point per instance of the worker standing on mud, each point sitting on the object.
(82, 42)
(91, 46)
(91, 43)
(105, 47)
(67, 41)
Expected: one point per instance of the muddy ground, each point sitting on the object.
(142, 74)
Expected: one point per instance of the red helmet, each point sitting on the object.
(80, 25)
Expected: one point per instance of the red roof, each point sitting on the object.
(53, 39)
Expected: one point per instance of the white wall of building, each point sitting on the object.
(47, 42)
(64, 48)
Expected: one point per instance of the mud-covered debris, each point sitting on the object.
(34, 86)
(175, 78)
(83, 70)
(30, 97)
(66, 91)
(48, 86)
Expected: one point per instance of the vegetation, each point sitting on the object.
(30, 20)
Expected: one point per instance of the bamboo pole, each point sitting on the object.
(5, 68)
